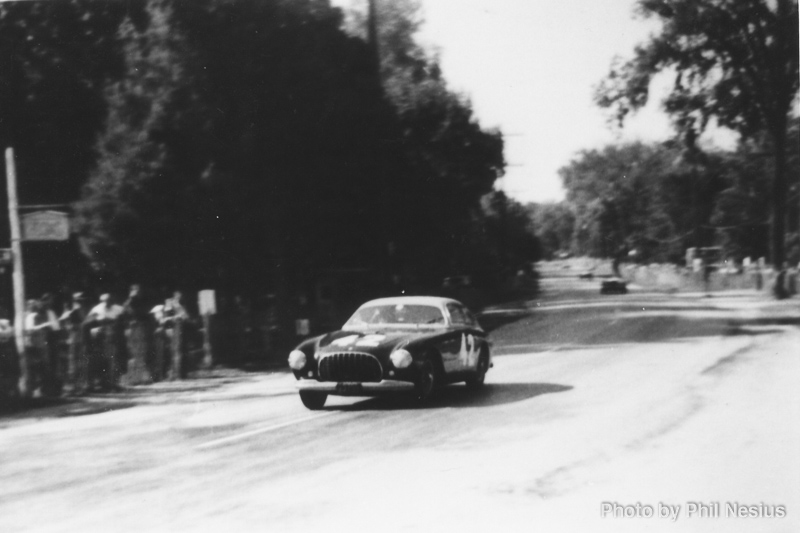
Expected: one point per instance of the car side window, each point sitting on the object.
(457, 315)
(470, 318)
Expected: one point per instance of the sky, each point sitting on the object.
(529, 68)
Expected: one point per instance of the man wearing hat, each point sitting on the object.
(40, 322)
(104, 327)
(78, 356)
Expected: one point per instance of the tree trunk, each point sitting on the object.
(779, 193)
(785, 42)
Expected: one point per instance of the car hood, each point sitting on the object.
(373, 341)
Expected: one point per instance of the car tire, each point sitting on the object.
(477, 380)
(313, 400)
(427, 382)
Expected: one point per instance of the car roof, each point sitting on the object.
(436, 301)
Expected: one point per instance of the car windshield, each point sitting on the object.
(396, 315)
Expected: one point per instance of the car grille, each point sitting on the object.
(350, 366)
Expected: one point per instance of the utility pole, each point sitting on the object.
(18, 278)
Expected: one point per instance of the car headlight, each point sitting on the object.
(401, 358)
(297, 360)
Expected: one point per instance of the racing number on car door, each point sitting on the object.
(466, 344)
(468, 355)
(450, 350)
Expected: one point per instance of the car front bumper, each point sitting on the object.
(355, 388)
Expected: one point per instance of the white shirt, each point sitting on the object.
(52, 321)
(102, 311)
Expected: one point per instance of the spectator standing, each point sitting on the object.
(40, 322)
(780, 286)
(140, 336)
(161, 344)
(77, 354)
(175, 321)
(791, 281)
(9, 359)
(104, 325)
(302, 324)
(239, 331)
(708, 269)
(759, 277)
(56, 367)
(269, 326)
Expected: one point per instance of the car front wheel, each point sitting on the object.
(313, 400)
(426, 382)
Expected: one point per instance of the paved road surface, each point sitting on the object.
(616, 400)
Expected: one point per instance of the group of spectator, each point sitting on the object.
(93, 344)
(90, 345)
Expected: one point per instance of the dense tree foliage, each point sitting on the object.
(655, 199)
(55, 61)
(742, 211)
(137, 204)
(735, 61)
(662, 198)
(55, 58)
(553, 224)
(447, 153)
(511, 230)
(250, 145)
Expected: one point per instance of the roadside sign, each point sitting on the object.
(45, 226)
(302, 327)
(207, 302)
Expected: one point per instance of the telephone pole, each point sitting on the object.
(18, 278)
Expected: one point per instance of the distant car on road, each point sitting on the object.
(410, 344)
(614, 286)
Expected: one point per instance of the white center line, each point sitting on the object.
(247, 434)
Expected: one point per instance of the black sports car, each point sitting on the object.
(614, 286)
(405, 344)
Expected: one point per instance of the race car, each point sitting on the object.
(406, 344)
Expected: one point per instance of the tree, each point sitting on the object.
(554, 224)
(251, 168)
(647, 197)
(510, 232)
(133, 215)
(250, 145)
(55, 60)
(302, 132)
(448, 162)
(742, 209)
(734, 60)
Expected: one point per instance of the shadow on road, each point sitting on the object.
(734, 329)
(768, 321)
(459, 396)
(581, 326)
(60, 407)
(491, 321)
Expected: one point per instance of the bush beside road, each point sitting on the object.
(672, 278)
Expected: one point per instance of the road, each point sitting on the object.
(594, 402)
